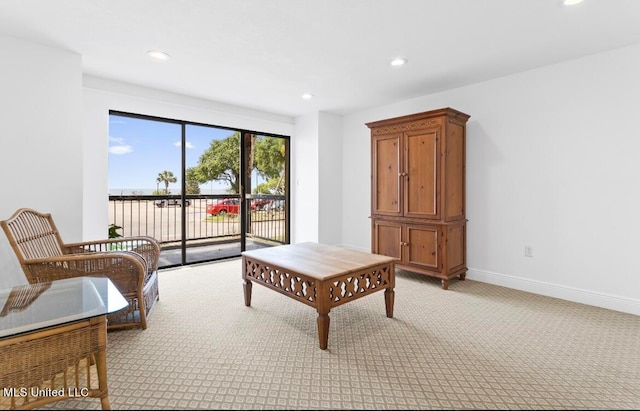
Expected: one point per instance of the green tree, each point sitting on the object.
(273, 186)
(269, 159)
(193, 186)
(221, 161)
(166, 177)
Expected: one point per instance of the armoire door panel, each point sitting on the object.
(421, 165)
(422, 246)
(386, 175)
(387, 239)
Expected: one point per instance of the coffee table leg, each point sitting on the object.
(389, 295)
(323, 330)
(246, 285)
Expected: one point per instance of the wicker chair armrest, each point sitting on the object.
(146, 246)
(126, 269)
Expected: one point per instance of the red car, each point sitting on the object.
(228, 205)
(259, 203)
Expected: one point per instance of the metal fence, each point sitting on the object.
(161, 217)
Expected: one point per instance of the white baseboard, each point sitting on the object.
(626, 305)
(611, 302)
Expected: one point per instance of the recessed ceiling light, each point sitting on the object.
(572, 2)
(398, 61)
(157, 54)
(307, 96)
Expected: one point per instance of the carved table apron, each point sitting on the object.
(319, 275)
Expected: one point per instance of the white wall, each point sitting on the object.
(41, 140)
(316, 179)
(102, 95)
(552, 162)
(304, 180)
(330, 179)
(316, 202)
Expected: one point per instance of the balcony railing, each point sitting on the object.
(161, 217)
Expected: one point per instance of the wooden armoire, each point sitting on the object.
(418, 192)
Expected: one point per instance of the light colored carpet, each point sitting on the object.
(475, 346)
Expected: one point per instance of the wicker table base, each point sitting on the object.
(320, 276)
(54, 364)
(53, 341)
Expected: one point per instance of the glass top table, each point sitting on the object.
(32, 307)
(46, 331)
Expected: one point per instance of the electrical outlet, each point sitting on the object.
(528, 251)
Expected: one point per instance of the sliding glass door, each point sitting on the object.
(204, 192)
(212, 177)
(266, 189)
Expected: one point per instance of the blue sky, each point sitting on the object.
(140, 149)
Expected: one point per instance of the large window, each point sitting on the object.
(205, 192)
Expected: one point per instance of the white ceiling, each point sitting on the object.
(264, 54)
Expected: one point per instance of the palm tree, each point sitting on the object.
(166, 177)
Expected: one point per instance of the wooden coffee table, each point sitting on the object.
(319, 275)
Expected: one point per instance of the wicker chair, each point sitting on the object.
(132, 266)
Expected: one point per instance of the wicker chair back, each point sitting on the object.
(130, 262)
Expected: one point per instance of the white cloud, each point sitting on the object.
(120, 146)
(178, 144)
(118, 150)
